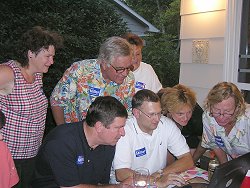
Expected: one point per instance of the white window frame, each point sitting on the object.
(232, 43)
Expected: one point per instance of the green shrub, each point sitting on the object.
(83, 24)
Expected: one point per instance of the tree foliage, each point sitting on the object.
(161, 53)
(83, 24)
(162, 49)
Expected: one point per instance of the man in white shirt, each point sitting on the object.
(145, 76)
(148, 138)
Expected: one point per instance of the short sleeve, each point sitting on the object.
(156, 84)
(123, 154)
(176, 141)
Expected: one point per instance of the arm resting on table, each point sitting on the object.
(221, 155)
(183, 163)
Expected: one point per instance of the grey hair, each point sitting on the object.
(114, 47)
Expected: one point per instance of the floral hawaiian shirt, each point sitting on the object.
(82, 83)
(236, 143)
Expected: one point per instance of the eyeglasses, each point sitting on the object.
(226, 115)
(150, 116)
(122, 69)
(215, 115)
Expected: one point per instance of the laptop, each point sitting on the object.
(227, 175)
(231, 173)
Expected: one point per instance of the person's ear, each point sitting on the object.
(99, 126)
(136, 112)
(104, 65)
(30, 54)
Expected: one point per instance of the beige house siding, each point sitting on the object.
(208, 23)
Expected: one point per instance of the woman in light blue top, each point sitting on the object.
(226, 124)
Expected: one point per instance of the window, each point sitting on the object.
(244, 61)
(244, 56)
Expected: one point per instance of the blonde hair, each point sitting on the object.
(174, 98)
(223, 91)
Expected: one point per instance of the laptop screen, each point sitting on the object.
(231, 173)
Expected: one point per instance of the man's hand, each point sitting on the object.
(127, 183)
(170, 179)
(157, 174)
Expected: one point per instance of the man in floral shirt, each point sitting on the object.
(109, 75)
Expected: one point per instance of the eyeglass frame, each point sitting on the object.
(220, 114)
(150, 116)
(122, 69)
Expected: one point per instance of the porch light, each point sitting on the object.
(205, 5)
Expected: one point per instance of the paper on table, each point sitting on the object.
(194, 175)
(195, 172)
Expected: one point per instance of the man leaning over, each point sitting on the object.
(148, 138)
(109, 75)
(81, 155)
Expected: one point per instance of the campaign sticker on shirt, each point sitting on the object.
(140, 85)
(140, 152)
(219, 141)
(93, 91)
(80, 160)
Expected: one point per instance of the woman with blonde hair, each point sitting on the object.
(179, 104)
(226, 123)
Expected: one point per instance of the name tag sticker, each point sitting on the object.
(94, 91)
(140, 152)
(80, 160)
(219, 141)
(140, 85)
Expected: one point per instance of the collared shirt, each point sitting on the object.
(82, 83)
(65, 159)
(139, 149)
(236, 143)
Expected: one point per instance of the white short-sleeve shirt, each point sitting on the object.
(146, 78)
(138, 149)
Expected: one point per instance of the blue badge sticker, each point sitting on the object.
(140, 85)
(219, 141)
(93, 91)
(140, 152)
(80, 160)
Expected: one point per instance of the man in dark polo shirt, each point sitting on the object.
(80, 154)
